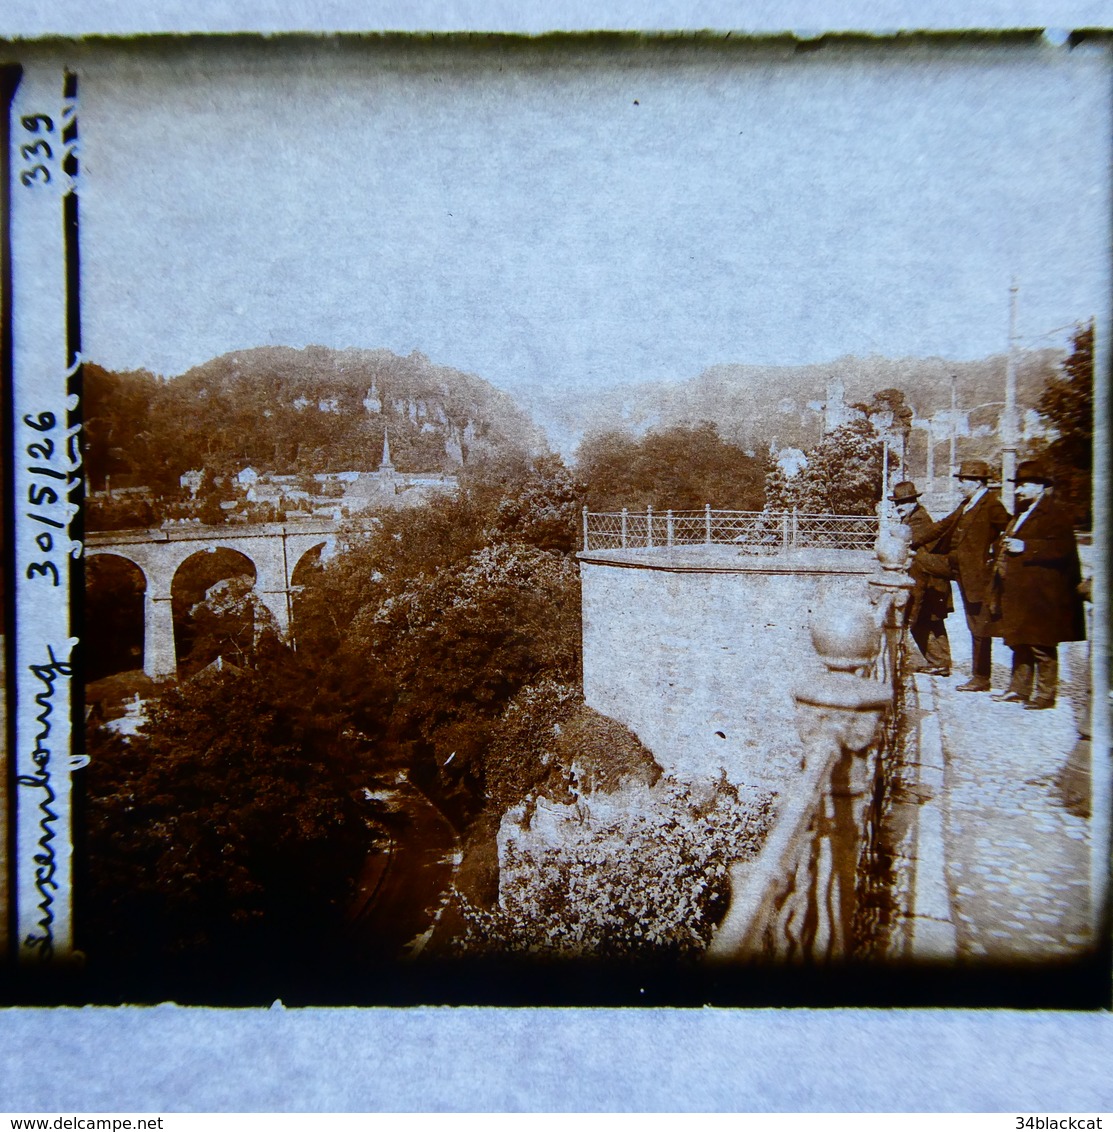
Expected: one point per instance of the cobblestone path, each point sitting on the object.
(1017, 861)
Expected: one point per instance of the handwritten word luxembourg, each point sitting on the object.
(45, 858)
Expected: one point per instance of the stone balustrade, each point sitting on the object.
(801, 899)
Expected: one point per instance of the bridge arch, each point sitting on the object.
(308, 564)
(115, 614)
(274, 550)
(137, 560)
(193, 578)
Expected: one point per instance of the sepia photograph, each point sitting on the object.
(597, 521)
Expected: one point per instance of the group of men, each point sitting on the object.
(1019, 577)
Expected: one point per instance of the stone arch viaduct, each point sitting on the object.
(274, 549)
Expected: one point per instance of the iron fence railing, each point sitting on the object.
(753, 532)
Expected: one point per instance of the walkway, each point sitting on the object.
(1003, 866)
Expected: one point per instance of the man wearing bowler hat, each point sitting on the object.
(967, 536)
(930, 601)
(1038, 573)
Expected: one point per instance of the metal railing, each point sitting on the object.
(751, 532)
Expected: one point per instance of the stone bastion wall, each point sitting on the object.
(697, 649)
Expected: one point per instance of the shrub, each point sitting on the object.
(545, 732)
(649, 881)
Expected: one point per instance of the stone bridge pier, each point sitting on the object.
(160, 655)
(273, 549)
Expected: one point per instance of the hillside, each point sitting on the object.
(288, 411)
(752, 405)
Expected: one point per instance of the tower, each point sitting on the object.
(388, 483)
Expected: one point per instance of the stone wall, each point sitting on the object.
(697, 649)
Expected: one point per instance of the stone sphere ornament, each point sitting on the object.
(846, 635)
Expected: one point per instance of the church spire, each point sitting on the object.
(388, 481)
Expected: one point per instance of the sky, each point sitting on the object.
(579, 218)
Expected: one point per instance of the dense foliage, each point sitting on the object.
(1068, 404)
(646, 879)
(225, 837)
(429, 626)
(548, 740)
(842, 475)
(440, 648)
(756, 405)
(683, 468)
(237, 819)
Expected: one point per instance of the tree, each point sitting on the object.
(646, 882)
(842, 476)
(454, 647)
(193, 620)
(225, 837)
(1067, 403)
(230, 622)
(291, 411)
(891, 414)
(209, 497)
(116, 409)
(427, 628)
(542, 508)
(120, 513)
(680, 468)
(546, 735)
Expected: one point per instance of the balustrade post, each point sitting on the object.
(649, 526)
(625, 522)
(798, 900)
(668, 528)
(890, 591)
(585, 526)
(784, 531)
(838, 714)
(707, 523)
(795, 529)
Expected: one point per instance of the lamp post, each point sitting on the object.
(884, 467)
(1010, 425)
(929, 473)
(952, 489)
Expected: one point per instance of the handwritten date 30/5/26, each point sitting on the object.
(47, 493)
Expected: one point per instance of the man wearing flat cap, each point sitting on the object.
(931, 600)
(1038, 573)
(967, 535)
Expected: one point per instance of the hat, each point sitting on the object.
(974, 470)
(904, 492)
(1032, 471)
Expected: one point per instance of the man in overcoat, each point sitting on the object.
(967, 536)
(1038, 573)
(930, 600)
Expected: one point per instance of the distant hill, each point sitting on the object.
(752, 405)
(285, 410)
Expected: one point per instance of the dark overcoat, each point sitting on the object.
(1039, 598)
(968, 536)
(929, 570)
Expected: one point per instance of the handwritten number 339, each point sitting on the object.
(37, 173)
